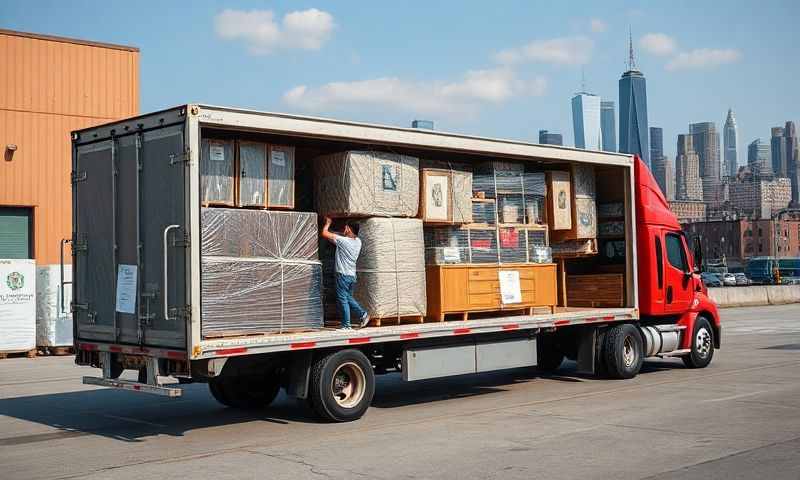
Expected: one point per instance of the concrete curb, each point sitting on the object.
(755, 295)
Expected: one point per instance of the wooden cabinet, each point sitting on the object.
(596, 290)
(475, 288)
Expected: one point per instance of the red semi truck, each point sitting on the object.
(136, 202)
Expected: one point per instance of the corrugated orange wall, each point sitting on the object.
(47, 89)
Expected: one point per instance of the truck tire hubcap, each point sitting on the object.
(702, 342)
(628, 352)
(348, 385)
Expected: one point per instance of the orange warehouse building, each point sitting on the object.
(50, 86)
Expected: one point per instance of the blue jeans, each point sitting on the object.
(345, 300)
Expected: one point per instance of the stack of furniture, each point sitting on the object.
(382, 191)
(487, 265)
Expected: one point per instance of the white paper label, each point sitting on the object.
(278, 158)
(509, 287)
(126, 288)
(451, 254)
(216, 152)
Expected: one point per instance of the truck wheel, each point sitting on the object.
(244, 392)
(702, 345)
(342, 385)
(548, 356)
(622, 350)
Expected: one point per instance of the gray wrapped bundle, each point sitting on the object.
(260, 272)
(391, 268)
(362, 183)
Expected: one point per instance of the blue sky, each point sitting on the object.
(506, 70)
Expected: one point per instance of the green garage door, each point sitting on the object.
(15, 232)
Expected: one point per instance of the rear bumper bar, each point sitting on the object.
(171, 392)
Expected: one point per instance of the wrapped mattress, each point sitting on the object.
(363, 183)
(17, 305)
(390, 269)
(260, 272)
(53, 317)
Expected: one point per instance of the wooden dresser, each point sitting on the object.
(476, 288)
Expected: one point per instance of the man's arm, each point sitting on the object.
(326, 234)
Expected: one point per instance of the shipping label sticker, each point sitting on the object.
(278, 158)
(451, 254)
(216, 151)
(126, 288)
(510, 291)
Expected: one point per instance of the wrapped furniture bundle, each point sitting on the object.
(53, 317)
(363, 183)
(390, 269)
(260, 271)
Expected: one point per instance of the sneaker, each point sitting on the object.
(364, 319)
(344, 329)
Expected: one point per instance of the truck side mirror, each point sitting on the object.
(698, 256)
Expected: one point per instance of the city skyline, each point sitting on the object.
(586, 121)
(509, 83)
(633, 127)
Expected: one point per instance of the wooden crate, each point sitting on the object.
(595, 290)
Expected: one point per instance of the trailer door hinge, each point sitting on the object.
(181, 157)
(78, 176)
(79, 246)
(181, 240)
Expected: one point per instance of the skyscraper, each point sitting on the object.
(586, 121)
(758, 158)
(547, 138)
(687, 166)
(792, 160)
(633, 111)
(608, 125)
(731, 139)
(659, 164)
(656, 143)
(705, 139)
(778, 147)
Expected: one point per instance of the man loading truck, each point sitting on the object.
(348, 246)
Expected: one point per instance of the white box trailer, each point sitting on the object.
(137, 281)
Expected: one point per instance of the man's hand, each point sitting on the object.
(325, 233)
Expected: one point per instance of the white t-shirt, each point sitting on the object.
(347, 250)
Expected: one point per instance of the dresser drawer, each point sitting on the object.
(527, 273)
(484, 286)
(484, 300)
(483, 274)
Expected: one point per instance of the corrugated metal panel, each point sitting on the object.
(47, 89)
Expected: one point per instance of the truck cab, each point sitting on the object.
(670, 287)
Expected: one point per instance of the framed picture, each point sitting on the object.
(560, 200)
(436, 201)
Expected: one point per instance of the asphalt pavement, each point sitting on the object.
(737, 419)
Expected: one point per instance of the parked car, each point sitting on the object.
(728, 279)
(741, 279)
(711, 279)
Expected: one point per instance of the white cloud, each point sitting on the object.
(562, 51)
(658, 44)
(464, 97)
(306, 30)
(703, 58)
(597, 25)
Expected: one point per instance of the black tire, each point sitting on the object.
(623, 351)
(245, 392)
(342, 386)
(549, 356)
(702, 345)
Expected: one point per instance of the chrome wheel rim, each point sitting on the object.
(348, 385)
(702, 342)
(628, 352)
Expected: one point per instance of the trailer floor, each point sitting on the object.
(739, 418)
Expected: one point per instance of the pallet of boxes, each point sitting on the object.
(260, 263)
(486, 240)
(380, 191)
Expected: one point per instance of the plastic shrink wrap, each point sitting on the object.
(364, 183)
(260, 271)
(53, 317)
(18, 305)
(446, 195)
(217, 163)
